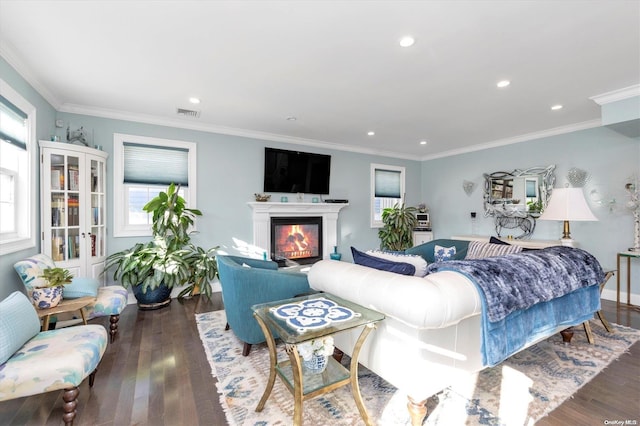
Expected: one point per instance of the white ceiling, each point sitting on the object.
(334, 65)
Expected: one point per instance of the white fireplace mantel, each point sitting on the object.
(264, 211)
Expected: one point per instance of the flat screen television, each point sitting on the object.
(295, 171)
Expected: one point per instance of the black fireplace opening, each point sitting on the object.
(298, 239)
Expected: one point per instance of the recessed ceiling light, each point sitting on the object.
(407, 41)
(194, 100)
(291, 118)
(371, 133)
(503, 83)
(556, 107)
(423, 142)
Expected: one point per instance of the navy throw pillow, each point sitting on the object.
(494, 240)
(364, 259)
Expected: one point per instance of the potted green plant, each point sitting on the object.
(397, 231)
(170, 259)
(48, 293)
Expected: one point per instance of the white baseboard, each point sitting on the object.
(611, 295)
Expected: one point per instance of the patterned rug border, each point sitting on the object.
(241, 381)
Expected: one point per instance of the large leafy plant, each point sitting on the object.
(396, 233)
(170, 258)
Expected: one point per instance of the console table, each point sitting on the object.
(628, 255)
(532, 244)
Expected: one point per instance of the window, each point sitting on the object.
(17, 179)
(387, 189)
(144, 166)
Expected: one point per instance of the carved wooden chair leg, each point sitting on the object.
(246, 349)
(92, 377)
(113, 327)
(70, 398)
(566, 336)
(417, 411)
(337, 354)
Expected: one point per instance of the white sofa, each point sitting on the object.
(432, 332)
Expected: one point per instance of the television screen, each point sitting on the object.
(295, 171)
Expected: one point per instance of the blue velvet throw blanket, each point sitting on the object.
(527, 295)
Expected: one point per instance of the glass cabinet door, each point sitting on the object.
(64, 200)
(97, 233)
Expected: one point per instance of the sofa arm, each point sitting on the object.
(435, 301)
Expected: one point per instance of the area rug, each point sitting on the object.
(519, 391)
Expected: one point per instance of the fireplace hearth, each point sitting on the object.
(296, 238)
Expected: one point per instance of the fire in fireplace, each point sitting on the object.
(296, 238)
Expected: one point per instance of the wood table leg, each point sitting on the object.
(84, 317)
(587, 330)
(618, 279)
(628, 280)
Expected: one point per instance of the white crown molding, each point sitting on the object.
(617, 95)
(7, 52)
(517, 139)
(212, 128)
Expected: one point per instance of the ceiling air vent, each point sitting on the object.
(188, 113)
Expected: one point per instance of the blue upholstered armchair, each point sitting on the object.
(246, 282)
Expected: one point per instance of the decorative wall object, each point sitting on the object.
(468, 187)
(80, 135)
(577, 177)
(634, 205)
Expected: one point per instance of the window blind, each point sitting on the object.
(13, 124)
(155, 165)
(387, 183)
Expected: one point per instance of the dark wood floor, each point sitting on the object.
(156, 373)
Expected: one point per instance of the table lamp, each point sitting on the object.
(567, 204)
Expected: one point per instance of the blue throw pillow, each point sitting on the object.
(19, 322)
(81, 287)
(441, 254)
(364, 259)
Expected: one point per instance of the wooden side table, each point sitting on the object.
(628, 255)
(69, 305)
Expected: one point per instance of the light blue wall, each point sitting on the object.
(45, 113)
(230, 171)
(609, 157)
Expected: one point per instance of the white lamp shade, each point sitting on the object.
(568, 204)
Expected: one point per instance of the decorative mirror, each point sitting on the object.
(515, 199)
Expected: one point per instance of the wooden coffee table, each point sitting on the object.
(69, 305)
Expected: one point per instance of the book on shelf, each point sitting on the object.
(93, 244)
(57, 249)
(74, 179)
(73, 205)
(56, 180)
(57, 212)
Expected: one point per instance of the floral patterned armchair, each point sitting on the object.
(34, 362)
(109, 300)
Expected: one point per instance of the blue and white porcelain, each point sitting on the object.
(47, 297)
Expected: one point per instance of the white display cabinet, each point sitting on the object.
(74, 207)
